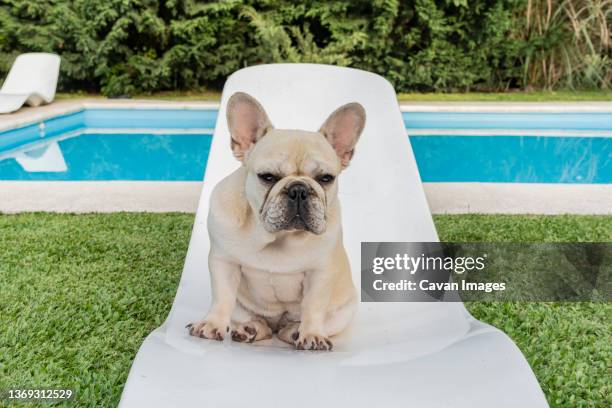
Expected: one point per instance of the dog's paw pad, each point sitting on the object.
(238, 336)
(312, 342)
(206, 330)
(244, 334)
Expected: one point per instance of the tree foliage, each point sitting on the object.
(134, 46)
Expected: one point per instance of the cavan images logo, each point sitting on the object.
(451, 272)
(425, 263)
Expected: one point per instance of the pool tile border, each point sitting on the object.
(29, 115)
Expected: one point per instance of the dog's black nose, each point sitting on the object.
(297, 192)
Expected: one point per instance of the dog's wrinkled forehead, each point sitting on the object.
(293, 152)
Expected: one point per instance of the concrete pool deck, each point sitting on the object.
(451, 198)
(443, 198)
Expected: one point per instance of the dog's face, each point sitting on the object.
(292, 174)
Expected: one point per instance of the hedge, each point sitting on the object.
(120, 47)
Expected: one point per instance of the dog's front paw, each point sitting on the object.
(244, 334)
(312, 342)
(207, 329)
(251, 331)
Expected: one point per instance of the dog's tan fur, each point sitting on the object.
(270, 273)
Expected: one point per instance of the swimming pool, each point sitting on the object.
(173, 144)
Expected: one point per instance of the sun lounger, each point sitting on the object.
(394, 354)
(32, 80)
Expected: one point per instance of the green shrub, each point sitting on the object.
(139, 46)
(568, 43)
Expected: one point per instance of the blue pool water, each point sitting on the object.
(514, 159)
(173, 145)
(177, 157)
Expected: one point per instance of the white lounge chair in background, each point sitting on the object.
(31, 80)
(394, 354)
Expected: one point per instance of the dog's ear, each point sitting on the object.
(247, 122)
(343, 128)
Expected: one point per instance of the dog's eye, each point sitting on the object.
(268, 177)
(325, 178)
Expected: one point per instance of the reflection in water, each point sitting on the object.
(46, 158)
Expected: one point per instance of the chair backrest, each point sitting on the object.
(381, 194)
(35, 72)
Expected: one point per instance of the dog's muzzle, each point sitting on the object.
(297, 209)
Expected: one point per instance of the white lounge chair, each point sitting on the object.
(31, 80)
(394, 354)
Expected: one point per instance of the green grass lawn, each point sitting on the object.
(536, 96)
(79, 293)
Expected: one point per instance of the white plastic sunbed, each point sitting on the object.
(394, 354)
(31, 80)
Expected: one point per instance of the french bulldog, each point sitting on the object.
(277, 261)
